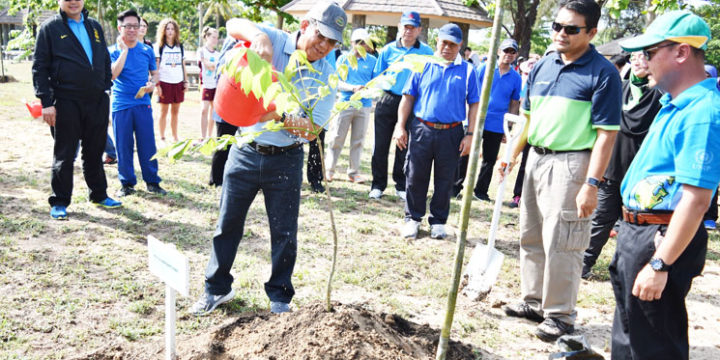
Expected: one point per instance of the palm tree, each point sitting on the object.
(219, 8)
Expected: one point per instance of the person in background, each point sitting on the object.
(207, 60)
(573, 119)
(640, 105)
(71, 72)
(386, 109)
(273, 162)
(142, 31)
(504, 98)
(355, 120)
(438, 97)
(662, 245)
(132, 63)
(170, 57)
(620, 61)
(711, 216)
(470, 56)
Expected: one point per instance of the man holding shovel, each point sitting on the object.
(573, 105)
(662, 242)
(436, 97)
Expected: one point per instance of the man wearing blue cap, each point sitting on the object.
(386, 110)
(273, 161)
(436, 97)
(662, 244)
(504, 98)
(574, 103)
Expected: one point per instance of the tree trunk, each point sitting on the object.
(280, 21)
(524, 14)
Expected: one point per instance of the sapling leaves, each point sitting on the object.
(342, 72)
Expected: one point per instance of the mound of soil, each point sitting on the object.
(310, 333)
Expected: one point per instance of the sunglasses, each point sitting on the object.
(569, 29)
(510, 51)
(648, 53)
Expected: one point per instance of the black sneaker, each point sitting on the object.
(522, 310)
(125, 191)
(156, 189)
(483, 197)
(209, 302)
(586, 273)
(551, 329)
(317, 188)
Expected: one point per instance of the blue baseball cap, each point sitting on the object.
(331, 19)
(711, 70)
(450, 32)
(410, 18)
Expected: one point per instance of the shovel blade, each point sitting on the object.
(482, 271)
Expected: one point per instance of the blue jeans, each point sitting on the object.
(280, 178)
(131, 125)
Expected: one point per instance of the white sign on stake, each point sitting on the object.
(173, 268)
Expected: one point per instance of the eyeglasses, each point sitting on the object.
(648, 53)
(322, 37)
(569, 29)
(131, 26)
(510, 51)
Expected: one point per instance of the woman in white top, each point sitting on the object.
(170, 57)
(207, 60)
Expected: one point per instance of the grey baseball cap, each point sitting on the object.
(331, 19)
(509, 44)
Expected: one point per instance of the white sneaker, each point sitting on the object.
(410, 229)
(375, 194)
(401, 194)
(437, 231)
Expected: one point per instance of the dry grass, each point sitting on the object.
(70, 287)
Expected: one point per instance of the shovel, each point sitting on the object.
(486, 261)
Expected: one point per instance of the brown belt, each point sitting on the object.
(440, 126)
(643, 218)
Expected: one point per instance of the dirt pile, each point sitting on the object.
(349, 332)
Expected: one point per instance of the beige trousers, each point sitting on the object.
(335, 138)
(553, 238)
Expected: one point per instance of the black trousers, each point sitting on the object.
(386, 112)
(657, 330)
(314, 165)
(490, 148)
(712, 213)
(79, 121)
(608, 211)
(517, 191)
(217, 167)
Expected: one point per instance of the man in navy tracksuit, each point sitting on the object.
(436, 97)
(71, 73)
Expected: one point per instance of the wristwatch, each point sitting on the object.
(658, 264)
(592, 182)
(468, 133)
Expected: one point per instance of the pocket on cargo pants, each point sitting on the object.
(574, 234)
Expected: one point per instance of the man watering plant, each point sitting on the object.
(436, 97)
(574, 105)
(273, 161)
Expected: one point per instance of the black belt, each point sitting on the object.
(440, 126)
(546, 151)
(396, 97)
(272, 150)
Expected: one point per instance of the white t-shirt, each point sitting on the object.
(170, 69)
(208, 77)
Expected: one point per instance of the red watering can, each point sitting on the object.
(34, 107)
(231, 103)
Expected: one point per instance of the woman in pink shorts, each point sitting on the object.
(170, 57)
(207, 60)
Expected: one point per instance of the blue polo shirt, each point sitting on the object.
(359, 76)
(284, 45)
(78, 28)
(681, 147)
(567, 103)
(441, 91)
(139, 62)
(391, 53)
(504, 88)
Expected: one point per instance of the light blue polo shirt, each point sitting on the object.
(138, 64)
(284, 45)
(359, 76)
(391, 53)
(78, 28)
(441, 91)
(504, 88)
(567, 103)
(681, 147)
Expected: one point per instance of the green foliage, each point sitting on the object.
(540, 40)
(21, 40)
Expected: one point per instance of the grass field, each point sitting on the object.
(71, 287)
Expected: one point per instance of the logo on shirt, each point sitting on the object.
(97, 36)
(702, 159)
(63, 36)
